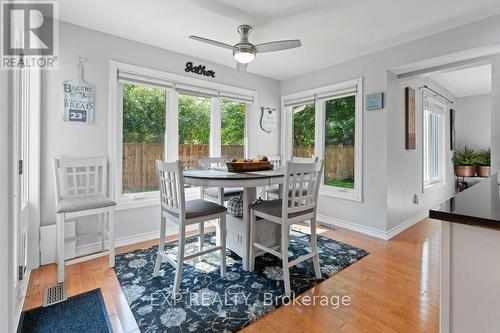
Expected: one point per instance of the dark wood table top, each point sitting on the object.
(479, 205)
(222, 173)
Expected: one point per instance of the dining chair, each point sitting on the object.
(295, 207)
(219, 195)
(275, 191)
(175, 208)
(81, 187)
(276, 161)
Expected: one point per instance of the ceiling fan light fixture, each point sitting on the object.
(244, 57)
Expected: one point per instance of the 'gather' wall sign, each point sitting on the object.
(200, 69)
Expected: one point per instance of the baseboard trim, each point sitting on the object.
(352, 226)
(80, 252)
(407, 224)
(122, 241)
(385, 235)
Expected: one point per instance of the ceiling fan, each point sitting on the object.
(244, 52)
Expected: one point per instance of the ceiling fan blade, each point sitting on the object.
(278, 45)
(241, 67)
(212, 42)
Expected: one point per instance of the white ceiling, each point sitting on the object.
(466, 82)
(331, 31)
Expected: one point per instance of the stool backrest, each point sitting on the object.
(171, 184)
(301, 187)
(297, 159)
(81, 177)
(275, 159)
(208, 162)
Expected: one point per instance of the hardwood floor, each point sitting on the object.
(394, 289)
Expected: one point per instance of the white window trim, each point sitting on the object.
(147, 199)
(426, 186)
(355, 194)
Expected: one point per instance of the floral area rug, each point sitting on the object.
(210, 303)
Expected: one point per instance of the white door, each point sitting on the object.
(21, 107)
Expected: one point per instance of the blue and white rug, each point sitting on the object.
(210, 303)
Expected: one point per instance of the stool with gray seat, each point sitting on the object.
(81, 190)
(219, 195)
(295, 207)
(274, 192)
(175, 208)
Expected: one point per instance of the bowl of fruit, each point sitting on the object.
(244, 165)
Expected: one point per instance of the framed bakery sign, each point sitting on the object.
(78, 101)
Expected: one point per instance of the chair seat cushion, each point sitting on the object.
(198, 208)
(228, 192)
(273, 207)
(235, 207)
(79, 203)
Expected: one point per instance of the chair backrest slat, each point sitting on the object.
(301, 187)
(274, 159)
(80, 177)
(209, 162)
(298, 159)
(171, 187)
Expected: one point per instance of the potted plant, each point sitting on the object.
(483, 161)
(464, 160)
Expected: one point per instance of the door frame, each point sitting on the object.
(26, 120)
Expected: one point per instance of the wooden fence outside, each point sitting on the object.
(139, 172)
(339, 160)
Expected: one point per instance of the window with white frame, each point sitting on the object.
(144, 113)
(433, 140)
(327, 122)
(303, 130)
(168, 117)
(233, 128)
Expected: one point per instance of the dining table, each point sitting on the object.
(220, 177)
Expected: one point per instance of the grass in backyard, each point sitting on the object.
(340, 183)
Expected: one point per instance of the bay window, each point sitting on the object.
(327, 122)
(159, 115)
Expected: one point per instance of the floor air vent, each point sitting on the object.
(55, 294)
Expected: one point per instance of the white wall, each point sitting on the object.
(61, 139)
(405, 167)
(6, 251)
(472, 121)
(495, 115)
(372, 214)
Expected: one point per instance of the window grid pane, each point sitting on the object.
(194, 129)
(432, 143)
(339, 154)
(303, 130)
(233, 128)
(144, 112)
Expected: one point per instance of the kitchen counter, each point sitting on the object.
(469, 259)
(478, 205)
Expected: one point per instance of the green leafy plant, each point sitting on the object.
(483, 157)
(464, 156)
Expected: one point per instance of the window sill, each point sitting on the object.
(128, 202)
(339, 193)
(436, 185)
(150, 199)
